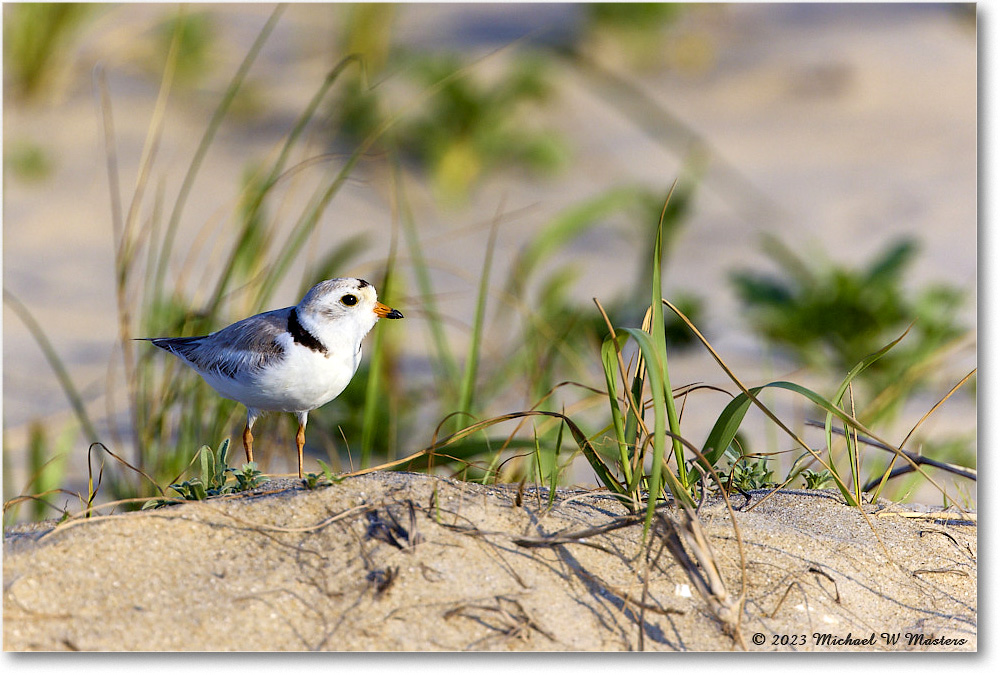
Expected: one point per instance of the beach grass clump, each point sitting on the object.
(654, 459)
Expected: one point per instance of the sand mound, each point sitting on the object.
(396, 561)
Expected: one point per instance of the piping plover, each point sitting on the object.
(290, 360)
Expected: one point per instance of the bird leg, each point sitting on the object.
(300, 440)
(248, 442)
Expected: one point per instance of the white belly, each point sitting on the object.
(302, 381)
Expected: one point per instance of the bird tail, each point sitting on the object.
(175, 345)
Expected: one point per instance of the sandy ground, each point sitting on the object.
(398, 561)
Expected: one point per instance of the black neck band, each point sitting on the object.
(301, 335)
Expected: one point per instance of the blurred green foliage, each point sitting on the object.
(368, 31)
(632, 15)
(36, 37)
(26, 161)
(468, 127)
(194, 33)
(832, 316)
(637, 34)
(678, 334)
(47, 462)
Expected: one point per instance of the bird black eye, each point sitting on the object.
(349, 300)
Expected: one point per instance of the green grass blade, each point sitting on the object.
(586, 447)
(732, 417)
(654, 370)
(727, 424)
(537, 468)
(609, 359)
(634, 418)
(660, 343)
(554, 470)
(854, 372)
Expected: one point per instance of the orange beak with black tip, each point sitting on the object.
(385, 312)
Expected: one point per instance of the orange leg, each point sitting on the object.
(300, 440)
(248, 443)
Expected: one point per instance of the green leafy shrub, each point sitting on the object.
(831, 316)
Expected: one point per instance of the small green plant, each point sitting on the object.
(213, 478)
(248, 477)
(324, 478)
(634, 436)
(191, 490)
(314, 480)
(748, 475)
(816, 480)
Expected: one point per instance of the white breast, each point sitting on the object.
(303, 380)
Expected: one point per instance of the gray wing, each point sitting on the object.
(245, 346)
